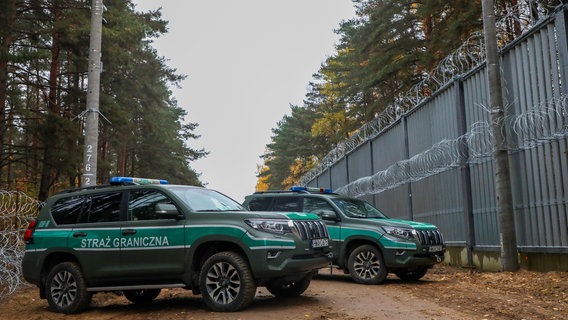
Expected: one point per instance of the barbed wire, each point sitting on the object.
(546, 123)
(16, 211)
(514, 22)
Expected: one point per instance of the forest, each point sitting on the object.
(386, 49)
(43, 83)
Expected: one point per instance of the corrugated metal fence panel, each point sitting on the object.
(389, 148)
(359, 165)
(538, 159)
(359, 162)
(324, 181)
(437, 198)
(339, 175)
(394, 203)
(321, 181)
(484, 206)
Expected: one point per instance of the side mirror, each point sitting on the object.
(167, 211)
(328, 215)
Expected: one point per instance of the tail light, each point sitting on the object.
(28, 235)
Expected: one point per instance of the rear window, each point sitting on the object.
(260, 204)
(288, 204)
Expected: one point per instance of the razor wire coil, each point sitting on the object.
(17, 209)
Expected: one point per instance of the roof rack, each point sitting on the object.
(85, 188)
(272, 191)
(311, 189)
(117, 181)
(299, 189)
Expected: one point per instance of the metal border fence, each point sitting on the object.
(433, 162)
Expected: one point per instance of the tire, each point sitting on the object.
(292, 289)
(366, 265)
(411, 274)
(141, 296)
(226, 282)
(66, 289)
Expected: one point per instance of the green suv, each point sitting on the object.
(365, 242)
(138, 236)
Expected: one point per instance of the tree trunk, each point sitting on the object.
(508, 238)
(48, 173)
(7, 18)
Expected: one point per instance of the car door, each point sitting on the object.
(94, 237)
(150, 243)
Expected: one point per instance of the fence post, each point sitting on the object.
(404, 121)
(562, 27)
(465, 172)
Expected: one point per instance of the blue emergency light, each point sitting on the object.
(132, 180)
(310, 189)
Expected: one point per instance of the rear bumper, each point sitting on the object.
(31, 267)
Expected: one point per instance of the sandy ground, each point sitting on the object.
(444, 293)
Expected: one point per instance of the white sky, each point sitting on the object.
(246, 61)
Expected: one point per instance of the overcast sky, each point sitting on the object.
(246, 61)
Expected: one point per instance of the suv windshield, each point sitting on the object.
(206, 200)
(357, 208)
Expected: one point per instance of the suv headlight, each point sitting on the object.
(407, 234)
(277, 226)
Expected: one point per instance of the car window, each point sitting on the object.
(67, 210)
(357, 208)
(142, 204)
(288, 204)
(103, 207)
(260, 204)
(206, 200)
(316, 206)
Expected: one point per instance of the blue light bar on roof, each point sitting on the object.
(311, 189)
(119, 180)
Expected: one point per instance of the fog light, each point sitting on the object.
(272, 254)
(400, 252)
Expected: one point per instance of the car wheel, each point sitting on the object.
(141, 296)
(66, 290)
(411, 274)
(226, 282)
(366, 265)
(291, 289)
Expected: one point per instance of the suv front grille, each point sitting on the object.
(429, 237)
(311, 229)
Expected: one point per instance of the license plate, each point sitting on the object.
(319, 243)
(435, 248)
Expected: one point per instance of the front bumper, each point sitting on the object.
(403, 258)
(279, 264)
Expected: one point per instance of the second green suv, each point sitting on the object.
(365, 242)
(138, 236)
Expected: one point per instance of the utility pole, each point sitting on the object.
(507, 234)
(94, 83)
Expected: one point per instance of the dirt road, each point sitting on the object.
(445, 293)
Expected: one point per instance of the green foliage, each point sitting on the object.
(389, 47)
(142, 131)
(292, 143)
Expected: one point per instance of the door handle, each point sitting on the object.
(128, 232)
(79, 234)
